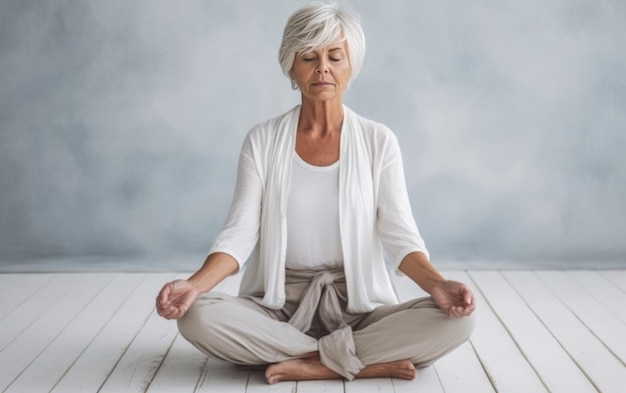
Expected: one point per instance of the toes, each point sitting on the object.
(407, 365)
(406, 369)
(269, 374)
(272, 374)
(271, 379)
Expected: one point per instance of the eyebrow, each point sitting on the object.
(338, 48)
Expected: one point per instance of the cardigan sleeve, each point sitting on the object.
(396, 225)
(240, 232)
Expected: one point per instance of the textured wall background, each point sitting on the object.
(121, 122)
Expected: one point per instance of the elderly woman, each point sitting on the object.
(320, 195)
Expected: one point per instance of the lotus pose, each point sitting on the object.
(320, 197)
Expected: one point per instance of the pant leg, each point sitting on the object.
(240, 331)
(418, 330)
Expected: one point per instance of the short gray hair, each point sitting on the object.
(318, 25)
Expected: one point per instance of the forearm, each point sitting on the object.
(417, 267)
(216, 268)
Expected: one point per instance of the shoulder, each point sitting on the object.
(267, 129)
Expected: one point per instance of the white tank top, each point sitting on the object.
(313, 239)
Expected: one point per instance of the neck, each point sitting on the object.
(320, 117)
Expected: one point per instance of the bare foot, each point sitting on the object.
(403, 369)
(313, 369)
(299, 370)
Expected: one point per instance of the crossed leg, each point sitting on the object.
(390, 341)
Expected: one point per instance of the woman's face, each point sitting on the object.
(323, 74)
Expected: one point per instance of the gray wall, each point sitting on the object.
(121, 121)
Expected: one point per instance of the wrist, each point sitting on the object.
(434, 285)
(196, 284)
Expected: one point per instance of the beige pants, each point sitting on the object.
(241, 331)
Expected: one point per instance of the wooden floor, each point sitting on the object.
(537, 331)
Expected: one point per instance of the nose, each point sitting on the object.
(322, 66)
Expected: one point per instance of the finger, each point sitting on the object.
(468, 296)
(161, 298)
(166, 291)
(170, 313)
(175, 312)
(166, 309)
(464, 311)
(470, 309)
(458, 312)
(452, 312)
(162, 303)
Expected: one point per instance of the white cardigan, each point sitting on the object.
(374, 210)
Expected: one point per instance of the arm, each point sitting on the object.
(215, 269)
(417, 267)
(453, 297)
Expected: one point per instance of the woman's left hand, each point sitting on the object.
(454, 298)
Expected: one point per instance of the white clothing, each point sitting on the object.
(374, 210)
(313, 238)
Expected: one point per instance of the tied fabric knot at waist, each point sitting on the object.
(321, 296)
(337, 349)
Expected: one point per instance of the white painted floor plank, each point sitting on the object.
(98, 360)
(22, 351)
(223, 377)
(427, 381)
(46, 370)
(602, 322)
(325, 386)
(181, 369)
(369, 385)
(609, 295)
(460, 371)
(17, 288)
(144, 356)
(506, 366)
(617, 277)
(604, 370)
(257, 384)
(557, 370)
(34, 307)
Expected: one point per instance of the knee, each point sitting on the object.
(458, 330)
(197, 321)
(450, 334)
(464, 326)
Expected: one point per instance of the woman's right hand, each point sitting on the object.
(175, 298)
